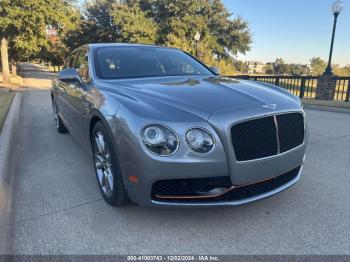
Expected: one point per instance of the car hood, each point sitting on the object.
(201, 96)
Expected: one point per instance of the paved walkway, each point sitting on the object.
(58, 208)
(36, 76)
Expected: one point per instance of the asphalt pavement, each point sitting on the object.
(57, 207)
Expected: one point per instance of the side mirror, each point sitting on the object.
(69, 75)
(215, 70)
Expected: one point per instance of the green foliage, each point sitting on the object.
(179, 21)
(269, 69)
(298, 69)
(241, 67)
(279, 67)
(163, 22)
(99, 24)
(108, 21)
(166, 22)
(24, 22)
(54, 53)
(318, 66)
(132, 24)
(342, 71)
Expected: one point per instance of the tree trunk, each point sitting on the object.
(5, 61)
(13, 68)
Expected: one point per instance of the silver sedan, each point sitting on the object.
(164, 129)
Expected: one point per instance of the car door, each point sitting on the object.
(77, 95)
(62, 100)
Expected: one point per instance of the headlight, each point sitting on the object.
(160, 140)
(200, 140)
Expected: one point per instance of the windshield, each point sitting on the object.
(144, 61)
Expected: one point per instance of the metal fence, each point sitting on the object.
(304, 86)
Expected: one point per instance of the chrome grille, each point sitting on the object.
(267, 136)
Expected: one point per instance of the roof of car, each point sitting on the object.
(96, 45)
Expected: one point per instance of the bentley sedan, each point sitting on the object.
(165, 129)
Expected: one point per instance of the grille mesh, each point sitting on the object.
(254, 139)
(291, 130)
(257, 138)
(239, 193)
(189, 186)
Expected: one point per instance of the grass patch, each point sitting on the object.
(5, 102)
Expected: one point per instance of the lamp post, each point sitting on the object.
(197, 37)
(336, 8)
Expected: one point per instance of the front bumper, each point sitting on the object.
(186, 165)
(241, 201)
(233, 196)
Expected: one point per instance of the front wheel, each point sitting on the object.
(106, 167)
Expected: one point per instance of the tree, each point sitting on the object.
(240, 66)
(298, 69)
(5, 61)
(99, 21)
(23, 25)
(280, 67)
(108, 21)
(342, 71)
(132, 24)
(269, 69)
(55, 53)
(166, 22)
(179, 21)
(318, 65)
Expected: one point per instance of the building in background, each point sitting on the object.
(255, 67)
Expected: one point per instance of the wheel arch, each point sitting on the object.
(52, 97)
(97, 116)
(95, 119)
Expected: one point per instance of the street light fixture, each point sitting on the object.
(197, 37)
(336, 9)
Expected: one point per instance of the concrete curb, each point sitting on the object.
(7, 146)
(332, 103)
(327, 108)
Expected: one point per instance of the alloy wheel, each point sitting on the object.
(103, 164)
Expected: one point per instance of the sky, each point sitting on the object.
(295, 30)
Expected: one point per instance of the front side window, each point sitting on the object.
(132, 62)
(82, 65)
(70, 61)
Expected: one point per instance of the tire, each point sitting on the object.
(58, 121)
(107, 168)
